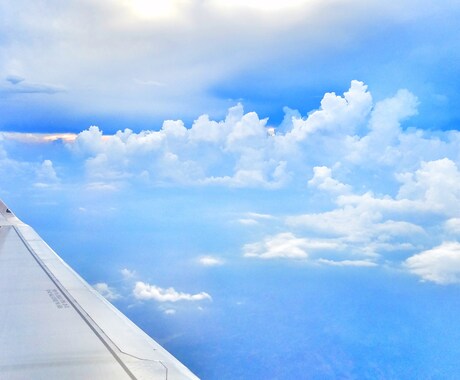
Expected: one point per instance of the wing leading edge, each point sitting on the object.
(54, 325)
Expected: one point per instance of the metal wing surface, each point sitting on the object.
(53, 325)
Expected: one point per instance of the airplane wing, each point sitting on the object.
(54, 325)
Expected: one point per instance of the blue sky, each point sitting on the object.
(271, 191)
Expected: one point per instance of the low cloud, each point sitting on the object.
(348, 263)
(127, 273)
(367, 205)
(209, 261)
(440, 264)
(254, 218)
(106, 291)
(144, 291)
(46, 175)
(286, 246)
(322, 179)
(239, 151)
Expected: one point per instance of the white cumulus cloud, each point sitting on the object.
(144, 291)
(127, 273)
(440, 264)
(46, 174)
(322, 179)
(286, 246)
(106, 291)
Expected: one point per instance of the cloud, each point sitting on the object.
(228, 65)
(127, 273)
(348, 263)
(397, 201)
(248, 222)
(239, 151)
(253, 218)
(452, 226)
(46, 175)
(436, 184)
(144, 291)
(384, 129)
(106, 291)
(340, 114)
(102, 186)
(14, 79)
(373, 224)
(39, 138)
(234, 152)
(15, 84)
(322, 179)
(209, 261)
(440, 264)
(361, 222)
(286, 246)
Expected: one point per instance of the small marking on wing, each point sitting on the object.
(58, 299)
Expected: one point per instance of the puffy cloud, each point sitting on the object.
(210, 261)
(286, 246)
(322, 179)
(46, 175)
(106, 291)
(440, 264)
(452, 226)
(144, 291)
(436, 184)
(380, 143)
(235, 152)
(127, 273)
(338, 114)
(402, 187)
(363, 222)
(240, 151)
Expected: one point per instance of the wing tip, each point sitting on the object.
(7, 214)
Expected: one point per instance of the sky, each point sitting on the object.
(270, 190)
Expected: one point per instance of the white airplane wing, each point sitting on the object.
(53, 325)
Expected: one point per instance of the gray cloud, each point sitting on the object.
(17, 85)
(104, 54)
